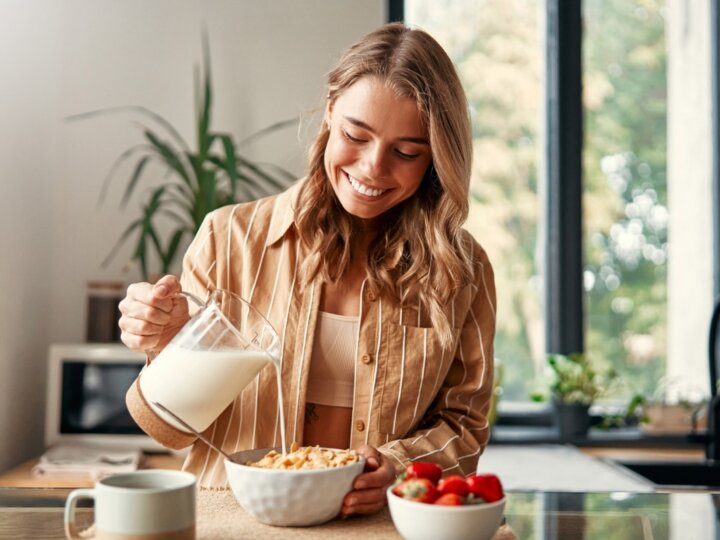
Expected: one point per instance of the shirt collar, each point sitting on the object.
(283, 216)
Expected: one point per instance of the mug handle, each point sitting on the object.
(71, 530)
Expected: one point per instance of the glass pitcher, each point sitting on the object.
(218, 352)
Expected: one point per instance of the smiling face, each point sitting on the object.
(378, 149)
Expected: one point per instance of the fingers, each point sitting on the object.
(366, 501)
(371, 455)
(149, 313)
(369, 495)
(140, 343)
(166, 286)
(141, 327)
(159, 295)
(141, 311)
(362, 508)
(379, 474)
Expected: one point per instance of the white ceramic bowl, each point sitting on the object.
(421, 521)
(289, 497)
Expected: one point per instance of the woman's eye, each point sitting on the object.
(351, 138)
(406, 156)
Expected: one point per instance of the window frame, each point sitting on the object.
(715, 104)
(564, 294)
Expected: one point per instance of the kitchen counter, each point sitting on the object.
(38, 513)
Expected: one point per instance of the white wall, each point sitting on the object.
(60, 58)
(29, 60)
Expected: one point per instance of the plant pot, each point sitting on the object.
(664, 419)
(572, 420)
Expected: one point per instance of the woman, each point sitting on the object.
(385, 306)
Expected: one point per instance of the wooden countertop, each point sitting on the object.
(38, 514)
(219, 517)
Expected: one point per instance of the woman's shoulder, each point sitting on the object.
(473, 249)
(482, 283)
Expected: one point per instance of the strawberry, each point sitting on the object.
(485, 486)
(450, 499)
(417, 489)
(453, 484)
(423, 469)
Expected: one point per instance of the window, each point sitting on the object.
(496, 46)
(647, 245)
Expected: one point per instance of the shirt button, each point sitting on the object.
(360, 425)
(366, 359)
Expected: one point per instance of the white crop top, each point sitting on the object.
(332, 368)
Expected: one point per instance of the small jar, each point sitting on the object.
(103, 312)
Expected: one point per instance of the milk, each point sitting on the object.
(198, 385)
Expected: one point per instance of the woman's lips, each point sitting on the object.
(363, 189)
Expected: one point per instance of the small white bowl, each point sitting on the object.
(289, 497)
(422, 521)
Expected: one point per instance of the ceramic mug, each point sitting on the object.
(140, 505)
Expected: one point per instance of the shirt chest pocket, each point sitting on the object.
(413, 373)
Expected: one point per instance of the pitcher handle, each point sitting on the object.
(194, 298)
(71, 530)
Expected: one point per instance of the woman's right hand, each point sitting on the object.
(152, 314)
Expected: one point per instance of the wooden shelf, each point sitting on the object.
(22, 477)
(650, 454)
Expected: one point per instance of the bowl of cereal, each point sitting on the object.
(304, 487)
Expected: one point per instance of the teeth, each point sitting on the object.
(364, 190)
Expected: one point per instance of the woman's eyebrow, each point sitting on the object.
(363, 125)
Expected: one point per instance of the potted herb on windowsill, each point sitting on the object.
(195, 181)
(575, 386)
(673, 408)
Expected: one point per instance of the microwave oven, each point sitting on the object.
(85, 395)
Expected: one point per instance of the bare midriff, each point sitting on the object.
(327, 426)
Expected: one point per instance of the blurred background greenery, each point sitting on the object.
(498, 47)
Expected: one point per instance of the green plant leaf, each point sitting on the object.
(148, 230)
(172, 248)
(205, 99)
(177, 218)
(229, 165)
(185, 198)
(287, 175)
(158, 247)
(114, 167)
(137, 109)
(169, 156)
(123, 238)
(194, 182)
(137, 172)
(268, 179)
(272, 128)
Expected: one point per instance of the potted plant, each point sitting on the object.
(574, 387)
(673, 408)
(196, 180)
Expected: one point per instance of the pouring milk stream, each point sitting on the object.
(218, 352)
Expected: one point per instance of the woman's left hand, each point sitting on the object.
(368, 495)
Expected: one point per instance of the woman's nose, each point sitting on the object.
(375, 161)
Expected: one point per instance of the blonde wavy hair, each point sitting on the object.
(419, 255)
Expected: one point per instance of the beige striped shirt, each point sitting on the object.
(412, 400)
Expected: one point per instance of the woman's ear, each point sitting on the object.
(327, 119)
